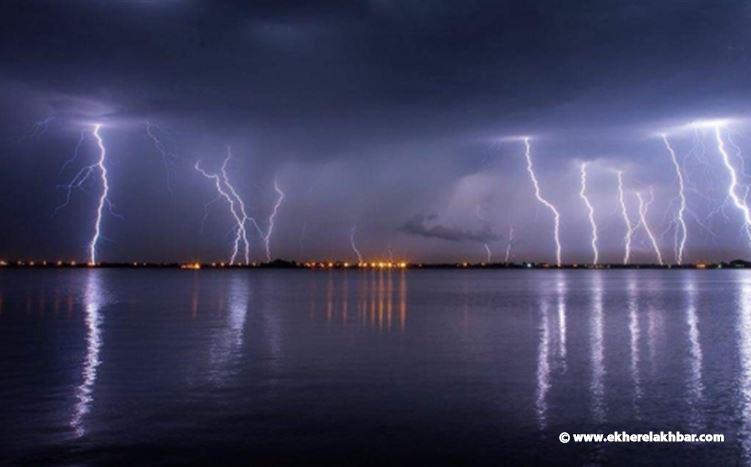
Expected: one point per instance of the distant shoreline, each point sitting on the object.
(328, 265)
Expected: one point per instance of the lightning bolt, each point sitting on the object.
(267, 235)
(103, 195)
(354, 245)
(739, 202)
(82, 176)
(237, 207)
(509, 243)
(168, 157)
(682, 196)
(481, 217)
(38, 129)
(76, 151)
(643, 207)
(543, 201)
(739, 157)
(624, 213)
(78, 180)
(591, 211)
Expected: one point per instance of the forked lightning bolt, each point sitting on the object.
(237, 208)
(76, 151)
(682, 196)
(626, 219)
(77, 182)
(168, 157)
(544, 202)
(272, 216)
(739, 202)
(591, 212)
(102, 197)
(80, 177)
(643, 207)
(239, 212)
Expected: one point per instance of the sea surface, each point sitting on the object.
(428, 367)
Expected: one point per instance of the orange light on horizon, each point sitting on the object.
(376, 264)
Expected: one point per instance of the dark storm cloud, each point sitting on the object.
(365, 68)
(420, 225)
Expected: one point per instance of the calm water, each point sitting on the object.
(300, 367)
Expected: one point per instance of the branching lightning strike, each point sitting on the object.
(236, 205)
(626, 219)
(643, 207)
(739, 202)
(591, 213)
(240, 214)
(103, 195)
(77, 182)
(76, 151)
(168, 157)
(272, 216)
(543, 201)
(682, 196)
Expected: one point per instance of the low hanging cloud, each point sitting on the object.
(423, 225)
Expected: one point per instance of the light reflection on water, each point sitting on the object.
(265, 360)
(597, 386)
(380, 295)
(93, 301)
(694, 384)
(226, 348)
(635, 334)
(744, 381)
(561, 288)
(543, 366)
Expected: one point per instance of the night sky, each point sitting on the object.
(399, 118)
